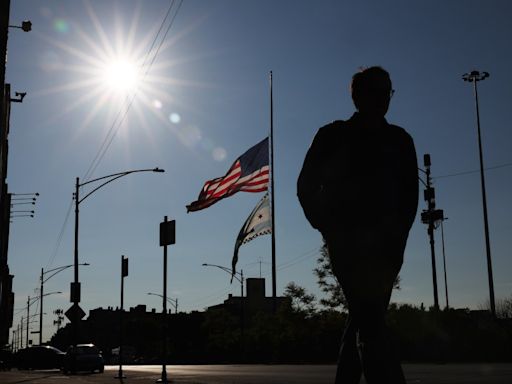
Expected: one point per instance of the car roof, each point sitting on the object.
(36, 347)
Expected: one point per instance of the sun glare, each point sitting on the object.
(121, 76)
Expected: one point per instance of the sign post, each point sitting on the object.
(167, 237)
(124, 273)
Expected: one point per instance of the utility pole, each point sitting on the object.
(60, 318)
(28, 318)
(430, 216)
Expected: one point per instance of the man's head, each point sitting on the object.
(371, 91)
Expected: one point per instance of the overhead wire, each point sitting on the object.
(61, 235)
(92, 166)
(113, 130)
(109, 137)
(473, 171)
(298, 260)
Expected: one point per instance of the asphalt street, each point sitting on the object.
(268, 374)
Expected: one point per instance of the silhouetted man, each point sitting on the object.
(359, 187)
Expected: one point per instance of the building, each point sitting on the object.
(253, 302)
(6, 294)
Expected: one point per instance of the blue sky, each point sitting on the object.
(204, 100)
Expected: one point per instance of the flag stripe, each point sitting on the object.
(249, 173)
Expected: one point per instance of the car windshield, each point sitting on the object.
(86, 350)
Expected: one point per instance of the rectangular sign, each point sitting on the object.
(167, 233)
(124, 267)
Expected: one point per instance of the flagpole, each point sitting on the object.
(273, 234)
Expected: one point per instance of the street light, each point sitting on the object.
(474, 77)
(15, 200)
(173, 302)
(53, 272)
(26, 26)
(32, 301)
(234, 275)
(75, 285)
(444, 263)
(239, 276)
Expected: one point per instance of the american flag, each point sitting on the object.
(249, 173)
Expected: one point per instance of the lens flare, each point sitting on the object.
(61, 25)
(175, 118)
(219, 154)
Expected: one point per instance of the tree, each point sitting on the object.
(335, 299)
(302, 301)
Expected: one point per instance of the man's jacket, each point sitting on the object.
(355, 176)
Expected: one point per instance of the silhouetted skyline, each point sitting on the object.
(205, 100)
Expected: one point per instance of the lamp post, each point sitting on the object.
(31, 301)
(474, 77)
(236, 276)
(444, 263)
(173, 302)
(76, 312)
(239, 276)
(53, 272)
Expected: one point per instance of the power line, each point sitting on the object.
(109, 137)
(298, 260)
(473, 171)
(59, 238)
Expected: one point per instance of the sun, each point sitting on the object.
(121, 75)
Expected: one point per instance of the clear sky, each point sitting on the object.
(202, 99)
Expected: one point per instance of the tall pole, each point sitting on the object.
(167, 237)
(21, 333)
(75, 290)
(124, 272)
(475, 77)
(41, 310)
(273, 234)
(164, 306)
(78, 313)
(28, 319)
(444, 264)
(429, 219)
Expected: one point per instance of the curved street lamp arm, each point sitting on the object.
(34, 299)
(227, 270)
(171, 301)
(57, 270)
(113, 177)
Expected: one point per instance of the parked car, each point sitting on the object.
(83, 357)
(6, 360)
(39, 357)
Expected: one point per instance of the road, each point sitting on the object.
(267, 374)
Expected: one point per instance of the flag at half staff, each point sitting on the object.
(258, 223)
(249, 173)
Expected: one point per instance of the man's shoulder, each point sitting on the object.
(400, 132)
(333, 128)
(335, 124)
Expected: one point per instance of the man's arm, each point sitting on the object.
(411, 181)
(310, 184)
